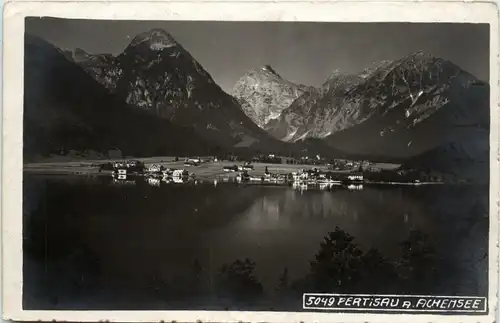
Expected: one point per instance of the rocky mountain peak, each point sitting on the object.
(422, 54)
(338, 79)
(262, 74)
(335, 73)
(156, 39)
(263, 94)
(423, 60)
(267, 68)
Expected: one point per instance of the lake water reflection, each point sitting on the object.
(93, 244)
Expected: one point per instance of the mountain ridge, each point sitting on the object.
(159, 75)
(386, 99)
(167, 82)
(67, 110)
(392, 110)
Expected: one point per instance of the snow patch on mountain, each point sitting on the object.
(273, 115)
(159, 46)
(157, 39)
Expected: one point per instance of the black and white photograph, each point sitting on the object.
(277, 166)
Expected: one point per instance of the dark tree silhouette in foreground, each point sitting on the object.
(378, 274)
(283, 282)
(418, 264)
(337, 265)
(236, 282)
(340, 266)
(283, 290)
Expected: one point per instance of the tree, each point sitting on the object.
(286, 292)
(337, 264)
(378, 275)
(417, 267)
(283, 282)
(237, 282)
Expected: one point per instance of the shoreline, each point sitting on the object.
(204, 171)
(96, 173)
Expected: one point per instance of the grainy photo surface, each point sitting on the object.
(203, 165)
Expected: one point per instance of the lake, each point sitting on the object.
(91, 243)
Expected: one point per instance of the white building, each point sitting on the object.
(155, 168)
(119, 165)
(355, 177)
(132, 163)
(194, 160)
(154, 182)
(179, 173)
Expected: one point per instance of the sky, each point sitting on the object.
(302, 52)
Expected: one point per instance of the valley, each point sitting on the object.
(167, 163)
(155, 99)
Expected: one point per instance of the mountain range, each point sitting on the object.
(155, 98)
(418, 110)
(157, 75)
(66, 110)
(397, 108)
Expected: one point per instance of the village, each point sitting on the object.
(263, 169)
(270, 169)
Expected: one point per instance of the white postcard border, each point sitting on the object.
(351, 11)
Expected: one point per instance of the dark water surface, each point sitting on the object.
(92, 244)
